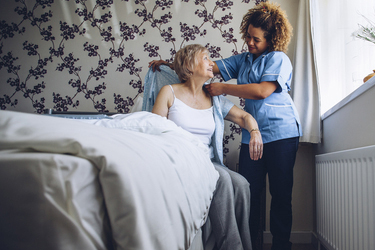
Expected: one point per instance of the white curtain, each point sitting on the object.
(305, 91)
(342, 60)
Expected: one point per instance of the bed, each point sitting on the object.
(126, 181)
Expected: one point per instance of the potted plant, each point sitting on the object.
(366, 33)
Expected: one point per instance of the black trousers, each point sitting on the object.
(278, 161)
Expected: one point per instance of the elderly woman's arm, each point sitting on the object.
(163, 101)
(247, 121)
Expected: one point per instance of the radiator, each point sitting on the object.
(345, 191)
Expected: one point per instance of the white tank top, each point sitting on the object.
(199, 122)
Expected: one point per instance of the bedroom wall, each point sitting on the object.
(350, 124)
(93, 55)
(88, 55)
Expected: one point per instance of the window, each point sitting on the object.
(342, 60)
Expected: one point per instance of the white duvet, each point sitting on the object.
(154, 180)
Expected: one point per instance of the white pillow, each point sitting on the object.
(146, 122)
(141, 121)
(137, 104)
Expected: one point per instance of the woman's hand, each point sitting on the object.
(215, 88)
(247, 121)
(256, 145)
(155, 64)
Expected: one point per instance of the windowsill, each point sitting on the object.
(362, 89)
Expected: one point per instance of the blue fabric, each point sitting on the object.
(276, 115)
(154, 81)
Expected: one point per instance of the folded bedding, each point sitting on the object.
(153, 180)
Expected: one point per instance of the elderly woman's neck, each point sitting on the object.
(195, 86)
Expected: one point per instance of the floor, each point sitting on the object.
(294, 247)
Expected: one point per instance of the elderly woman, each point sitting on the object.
(192, 108)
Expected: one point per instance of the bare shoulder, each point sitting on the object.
(165, 91)
(177, 88)
(177, 85)
(166, 95)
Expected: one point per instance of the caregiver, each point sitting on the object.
(263, 79)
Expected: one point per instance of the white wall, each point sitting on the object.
(351, 123)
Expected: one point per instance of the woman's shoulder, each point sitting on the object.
(167, 93)
(242, 56)
(223, 101)
(172, 89)
(277, 54)
(277, 57)
(167, 89)
(237, 57)
(174, 86)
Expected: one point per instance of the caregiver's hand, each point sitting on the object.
(155, 64)
(215, 88)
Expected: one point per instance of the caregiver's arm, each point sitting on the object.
(255, 91)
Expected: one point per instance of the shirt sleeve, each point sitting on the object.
(229, 67)
(278, 68)
(226, 105)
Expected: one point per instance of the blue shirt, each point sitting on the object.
(276, 115)
(154, 81)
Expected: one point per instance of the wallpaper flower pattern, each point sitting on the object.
(92, 55)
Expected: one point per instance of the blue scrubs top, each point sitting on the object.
(276, 115)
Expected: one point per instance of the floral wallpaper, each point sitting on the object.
(87, 55)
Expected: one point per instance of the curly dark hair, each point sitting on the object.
(273, 21)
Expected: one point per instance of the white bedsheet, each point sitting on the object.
(157, 181)
(50, 201)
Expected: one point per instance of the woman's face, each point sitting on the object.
(204, 68)
(255, 40)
